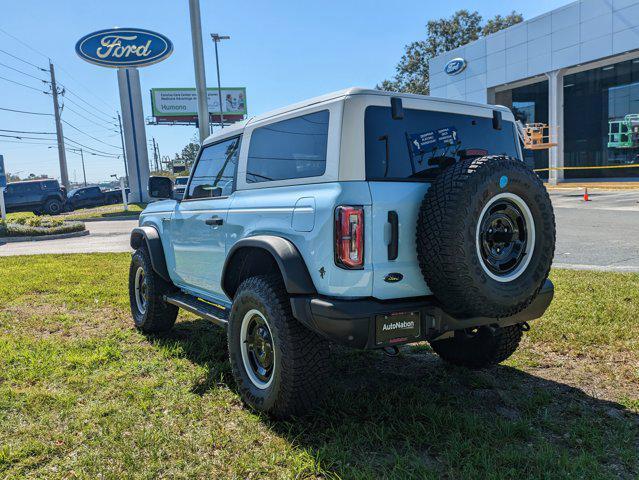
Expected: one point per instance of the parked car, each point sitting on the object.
(180, 187)
(37, 196)
(88, 197)
(320, 222)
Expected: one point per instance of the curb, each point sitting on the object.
(41, 238)
(106, 219)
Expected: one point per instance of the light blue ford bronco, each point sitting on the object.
(364, 218)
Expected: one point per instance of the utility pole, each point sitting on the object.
(200, 76)
(155, 155)
(126, 169)
(84, 172)
(217, 38)
(62, 156)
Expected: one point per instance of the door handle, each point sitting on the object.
(393, 246)
(214, 221)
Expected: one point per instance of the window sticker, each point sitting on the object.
(426, 142)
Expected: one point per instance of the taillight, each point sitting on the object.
(349, 237)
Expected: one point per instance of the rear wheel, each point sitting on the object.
(53, 206)
(278, 364)
(151, 314)
(479, 347)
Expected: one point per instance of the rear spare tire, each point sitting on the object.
(486, 237)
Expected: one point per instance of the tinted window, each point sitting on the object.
(215, 170)
(474, 136)
(294, 148)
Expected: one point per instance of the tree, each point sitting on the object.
(442, 35)
(188, 154)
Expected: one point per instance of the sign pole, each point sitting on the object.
(200, 76)
(134, 133)
(3, 183)
(124, 200)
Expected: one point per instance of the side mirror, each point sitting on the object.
(160, 187)
(206, 191)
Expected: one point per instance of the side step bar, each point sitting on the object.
(202, 309)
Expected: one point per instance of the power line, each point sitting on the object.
(89, 120)
(89, 104)
(28, 142)
(90, 148)
(24, 111)
(23, 60)
(23, 85)
(84, 109)
(90, 136)
(23, 73)
(20, 137)
(87, 89)
(23, 43)
(31, 133)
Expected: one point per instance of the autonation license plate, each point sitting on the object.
(397, 327)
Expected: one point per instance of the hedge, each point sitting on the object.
(38, 226)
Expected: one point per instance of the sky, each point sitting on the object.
(281, 51)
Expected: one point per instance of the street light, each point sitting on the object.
(217, 38)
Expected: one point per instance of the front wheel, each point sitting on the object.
(479, 347)
(151, 314)
(278, 364)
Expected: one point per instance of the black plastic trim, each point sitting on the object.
(297, 280)
(352, 322)
(154, 245)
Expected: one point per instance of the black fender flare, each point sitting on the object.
(151, 237)
(294, 272)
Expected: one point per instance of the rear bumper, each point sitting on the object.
(353, 322)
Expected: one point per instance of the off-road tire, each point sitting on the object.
(446, 240)
(158, 316)
(300, 356)
(480, 350)
(53, 206)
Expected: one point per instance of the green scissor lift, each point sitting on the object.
(624, 133)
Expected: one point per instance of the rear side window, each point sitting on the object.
(415, 144)
(293, 148)
(215, 170)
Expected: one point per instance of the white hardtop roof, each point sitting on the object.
(237, 128)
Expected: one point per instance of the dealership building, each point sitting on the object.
(575, 69)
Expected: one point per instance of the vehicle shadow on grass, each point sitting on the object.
(413, 416)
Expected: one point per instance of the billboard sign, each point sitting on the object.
(3, 173)
(124, 47)
(182, 102)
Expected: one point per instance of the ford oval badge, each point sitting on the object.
(124, 47)
(455, 66)
(393, 277)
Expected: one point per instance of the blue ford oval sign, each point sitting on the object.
(124, 47)
(455, 66)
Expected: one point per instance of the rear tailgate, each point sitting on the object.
(401, 277)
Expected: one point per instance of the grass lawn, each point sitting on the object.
(106, 211)
(83, 395)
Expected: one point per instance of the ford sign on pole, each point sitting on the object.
(124, 47)
(127, 49)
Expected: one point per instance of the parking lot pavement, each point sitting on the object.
(602, 234)
(106, 236)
